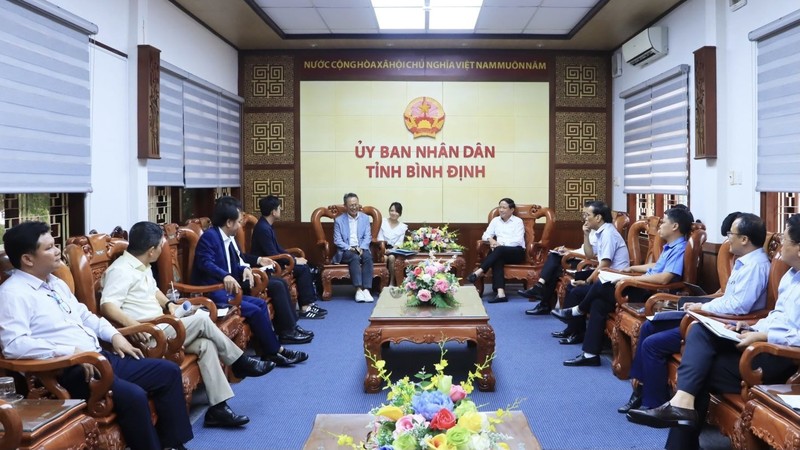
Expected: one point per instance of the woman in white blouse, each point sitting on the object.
(506, 237)
(393, 232)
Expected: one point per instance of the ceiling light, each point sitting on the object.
(398, 3)
(455, 3)
(400, 18)
(453, 18)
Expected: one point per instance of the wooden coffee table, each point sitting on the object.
(47, 424)
(459, 265)
(355, 425)
(393, 321)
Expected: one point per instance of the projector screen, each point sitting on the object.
(448, 151)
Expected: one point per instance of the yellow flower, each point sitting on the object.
(472, 421)
(438, 442)
(390, 412)
(503, 445)
(344, 440)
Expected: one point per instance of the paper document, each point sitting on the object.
(564, 251)
(222, 312)
(716, 327)
(791, 400)
(402, 252)
(611, 277)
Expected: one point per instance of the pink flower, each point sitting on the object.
(441, 286)
(457, 393)
(417, 271)
(424, 295)
(411, 285)
(431, 270)
(407, 422)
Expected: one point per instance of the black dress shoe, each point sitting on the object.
(563, 314)
(539, 310)
(536, 292)
(497, 299)
(247, 366)
(582, 360)
(571, 339)
(294, 337)
(472, 278)
(665, 416)
(221, 415)
(286, 357)
(633, 403)
(301, 330)
(560, 334)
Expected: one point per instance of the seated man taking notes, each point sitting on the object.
(711, 364)
(745, 292)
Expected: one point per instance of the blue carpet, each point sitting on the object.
(566, 407)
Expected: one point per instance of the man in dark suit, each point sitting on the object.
(217, 260)
(264, 243)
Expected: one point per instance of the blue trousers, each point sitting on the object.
(657, 342)
(134, 379)
(255, 312)
(360, 268)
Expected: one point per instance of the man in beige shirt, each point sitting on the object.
(130, 294)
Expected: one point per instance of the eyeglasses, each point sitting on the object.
(731, 233)
(587, 215)
(61, 303)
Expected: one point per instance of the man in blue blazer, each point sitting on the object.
(217, 260)
(352, 236)
(264, 243)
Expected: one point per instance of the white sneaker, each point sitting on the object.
(367, 296)
(360, 296)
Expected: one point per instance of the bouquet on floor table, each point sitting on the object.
(431, 414)
(425, 239)
(430, 282)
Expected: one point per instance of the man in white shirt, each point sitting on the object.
(40, 319)
(130, 294)
(506, 237)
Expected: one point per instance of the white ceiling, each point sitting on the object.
(599, 25)
(358, 16)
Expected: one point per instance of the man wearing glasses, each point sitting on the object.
(41, 319)
(352, 237)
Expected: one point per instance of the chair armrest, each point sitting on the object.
(289, 263)
(260, 282)
(98, 404)
(205, 303)
(753, 377)
(12, 427)
(296, 252)
(652, 303)
(567, 257)
(191, 289)
(160, 347)
(481, 249)
(174, 344)
(378, 249)
(751, 318)
(538, 253)
(633, 282)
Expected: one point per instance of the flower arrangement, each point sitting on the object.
(431, 414)
(425, 239)
(430, 282)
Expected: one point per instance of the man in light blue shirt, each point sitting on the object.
(711, 364)
(600, 300)
(745, 292)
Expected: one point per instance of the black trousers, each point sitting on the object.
(599, 302)
(711, 365)
(499, 257)
(305, 285)
(134, 379)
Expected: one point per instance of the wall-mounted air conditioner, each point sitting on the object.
(646, 47)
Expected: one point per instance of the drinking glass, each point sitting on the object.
(8, 390)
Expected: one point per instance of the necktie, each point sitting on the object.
(234, 257)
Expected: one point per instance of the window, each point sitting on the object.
(646, 205)
(159, 204)
(776, 207)
(49, 208)
(656, 134)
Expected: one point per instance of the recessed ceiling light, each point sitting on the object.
(313, 45)
(400, 18)
(453, 18)
(390, 44)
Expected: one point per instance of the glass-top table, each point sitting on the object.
(393, 321)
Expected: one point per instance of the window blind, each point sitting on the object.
(656, 134)
(778, 105)
(168, 171)
(211, 130)
(44, 99)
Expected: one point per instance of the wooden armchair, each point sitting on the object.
(535, 250)
(245, 237)
(324, 237)
(628, 318)
(621, 222)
